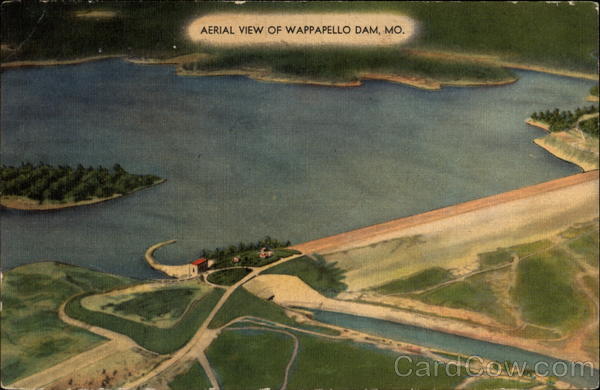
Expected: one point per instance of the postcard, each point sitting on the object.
(299, 195)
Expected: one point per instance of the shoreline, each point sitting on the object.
(177, 60)
(542, 69)
(21, 203)
(490, 59)
(265, 75)
(543, 142)
(411, 81)
(434, 85)
(41, 63)
(541, 125)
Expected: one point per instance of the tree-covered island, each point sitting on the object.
(46, 187)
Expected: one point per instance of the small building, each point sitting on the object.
(265, 252)
(235, 260)
(201, 264)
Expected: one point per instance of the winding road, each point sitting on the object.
(203, 337)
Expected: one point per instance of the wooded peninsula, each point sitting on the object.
(45, 187)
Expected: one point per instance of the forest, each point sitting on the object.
(564, 120)
(61, 184)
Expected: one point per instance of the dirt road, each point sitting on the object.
(204, 336)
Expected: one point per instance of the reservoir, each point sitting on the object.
(244, 159)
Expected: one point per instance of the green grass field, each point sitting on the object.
(156, 304)
(330, 364)
(474, 293)
(530, 248)
(33, 337)
(543, 290)
(534, 332)
(193, 379)
(495, 258)
(592, 284)
(502, 256)
(160, 340)
(243, 303)
(418, 281)
(559, 35)
(228, 277)
(587, 247)
(257, 359)
(580, 229)
(250, 359)
(324, 277)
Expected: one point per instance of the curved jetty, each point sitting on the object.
(184, 271)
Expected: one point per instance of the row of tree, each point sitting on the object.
(64, 184)
(222, 253)
(562, 120)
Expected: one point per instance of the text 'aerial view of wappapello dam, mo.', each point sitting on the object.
(301, 195)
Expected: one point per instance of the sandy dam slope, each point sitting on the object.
(452, 237)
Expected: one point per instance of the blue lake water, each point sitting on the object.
(245, 159)
(578, 375)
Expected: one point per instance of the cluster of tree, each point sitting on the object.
(63, 183)
(562, 120)
(594, 90)
(590, 126)
(221, 253)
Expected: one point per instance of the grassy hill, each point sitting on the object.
(541, 286)
(33, 337)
